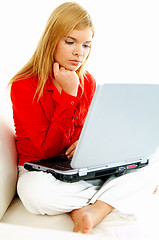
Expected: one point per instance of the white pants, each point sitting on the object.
(41, 193)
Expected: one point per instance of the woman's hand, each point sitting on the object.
(70, 151)
(156, 190)
(68, 80)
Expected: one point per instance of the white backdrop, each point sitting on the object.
(125, 46)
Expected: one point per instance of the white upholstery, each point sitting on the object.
(8, 166)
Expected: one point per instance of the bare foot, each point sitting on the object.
(89, 216)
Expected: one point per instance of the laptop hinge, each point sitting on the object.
(144, 160)
(82, 171)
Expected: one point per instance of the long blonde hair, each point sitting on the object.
(64, 19)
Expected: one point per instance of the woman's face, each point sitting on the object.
(72, 50)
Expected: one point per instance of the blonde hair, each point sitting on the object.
(64, 19)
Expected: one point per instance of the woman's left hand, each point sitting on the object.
(156, 189)
(70, 151)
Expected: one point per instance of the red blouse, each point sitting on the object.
(49, 126)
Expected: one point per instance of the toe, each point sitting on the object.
(76, 229)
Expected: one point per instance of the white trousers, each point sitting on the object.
(41, 193)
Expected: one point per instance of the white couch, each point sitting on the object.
(12, 211)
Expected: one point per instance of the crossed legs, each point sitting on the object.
(42, 194)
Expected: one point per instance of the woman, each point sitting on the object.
(51, 96)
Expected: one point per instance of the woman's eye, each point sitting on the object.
(69, 42)
(86, 46)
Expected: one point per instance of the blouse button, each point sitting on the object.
(72, 102)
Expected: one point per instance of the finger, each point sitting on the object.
(56, 68)
(71, 154)
(70, 149)
(156, 190)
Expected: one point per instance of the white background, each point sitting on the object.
(125, 46)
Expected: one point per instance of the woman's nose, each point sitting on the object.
(78, 50)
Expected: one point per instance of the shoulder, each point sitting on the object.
(23, 83)
(89, 78)
(23, 88)
(89, 82)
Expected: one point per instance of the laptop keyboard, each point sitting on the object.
(62, 165)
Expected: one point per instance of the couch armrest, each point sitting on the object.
(8, 166)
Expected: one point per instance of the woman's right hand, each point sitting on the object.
(67, 79)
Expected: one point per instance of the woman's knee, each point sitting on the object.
(42, 194)
(28, 191)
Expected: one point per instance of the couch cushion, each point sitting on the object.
(8, 165)
(18, 215)
(112, 227)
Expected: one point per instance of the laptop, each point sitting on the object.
(120, 133)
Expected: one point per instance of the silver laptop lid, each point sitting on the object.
(122, 126)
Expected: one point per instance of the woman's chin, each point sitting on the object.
(71, 67)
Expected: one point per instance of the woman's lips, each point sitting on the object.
(75, 62)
